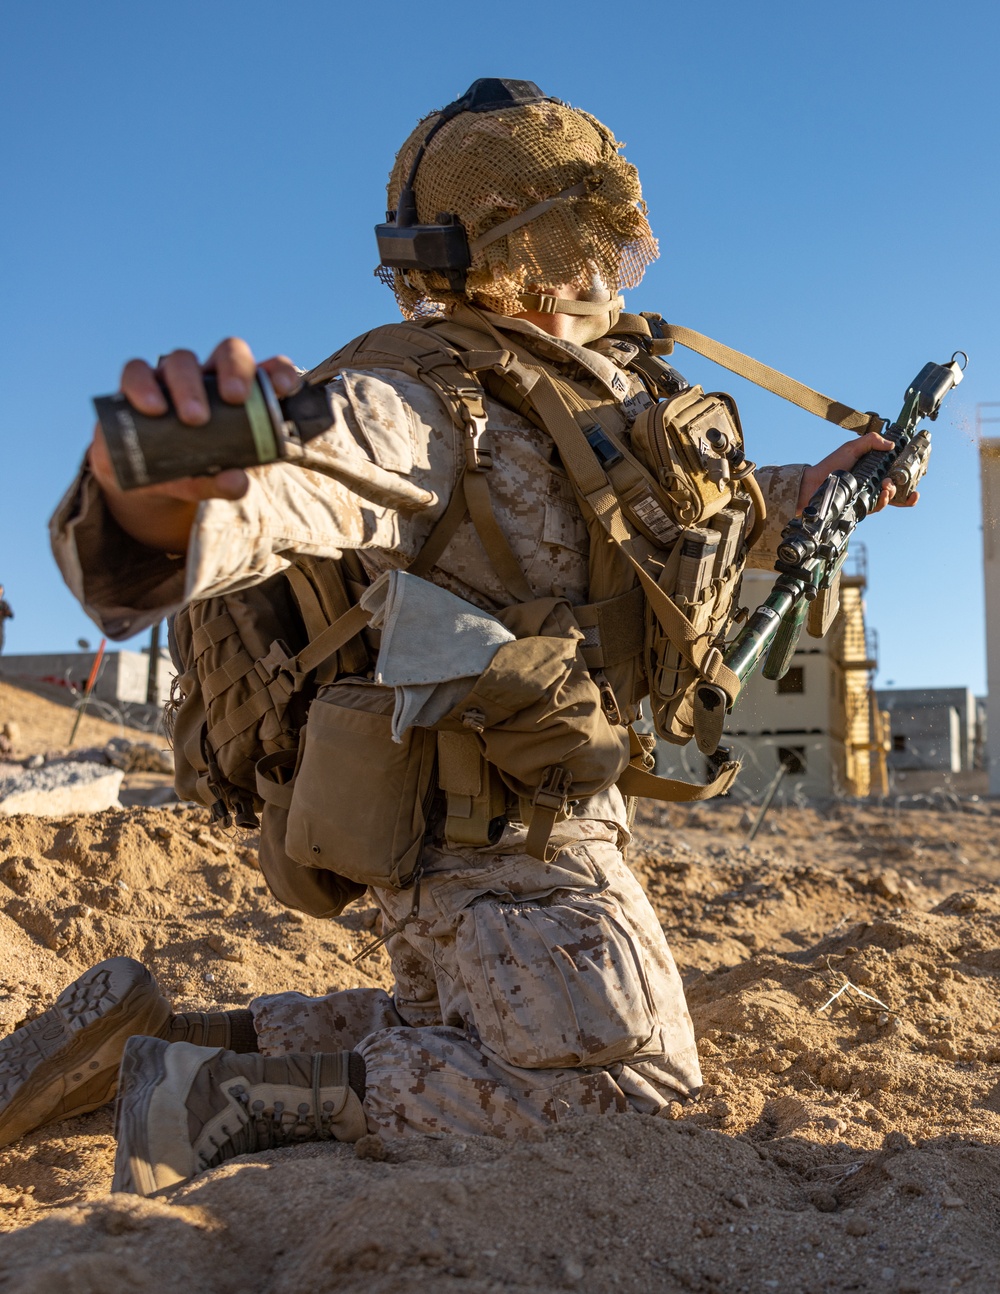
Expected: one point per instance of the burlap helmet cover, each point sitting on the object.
(486, 167)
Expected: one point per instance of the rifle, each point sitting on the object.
(813, 548)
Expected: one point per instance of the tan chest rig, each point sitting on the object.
(278, 715)
(671, 508)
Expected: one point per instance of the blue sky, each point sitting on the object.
(823, 180)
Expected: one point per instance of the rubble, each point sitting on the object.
(54, 789)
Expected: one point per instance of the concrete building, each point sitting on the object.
(820, 720)
(122, 679)
(933, 728)
(989, 462)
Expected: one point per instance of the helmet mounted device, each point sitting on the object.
(443, 248)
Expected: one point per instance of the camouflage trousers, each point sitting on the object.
(524, 992)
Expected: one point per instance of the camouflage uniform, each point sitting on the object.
(523, 991)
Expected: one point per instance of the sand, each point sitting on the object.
(848, 1138)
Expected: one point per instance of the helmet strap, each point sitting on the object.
(546, 304)
(522, 218)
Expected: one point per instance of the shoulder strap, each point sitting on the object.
(637, 781)
(345, 627)
(841, 415)
(423, 351)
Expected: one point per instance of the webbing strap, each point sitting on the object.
(228, 673)
(270, 790)
(353, 621)
(308, 603)
(444, 528)
(252, 709)
(522, 218)
(212, 632)
(637, 781)
(842, 415)
(492, 538)
(329, 641)
(540, 828)
(546, 304)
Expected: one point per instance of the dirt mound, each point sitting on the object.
(44, 717)
(843, 978)
(630, 1204)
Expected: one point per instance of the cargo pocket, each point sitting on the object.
(555, 983)
(359, 802)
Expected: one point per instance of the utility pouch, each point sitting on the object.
(474, 791)
(359, 800)
(671, 674)
(688, 443)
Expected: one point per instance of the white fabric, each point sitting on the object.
(434, 646)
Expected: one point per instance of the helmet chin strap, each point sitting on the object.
(604, 314)
(547, 304)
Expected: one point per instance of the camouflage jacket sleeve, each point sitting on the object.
(780, 487)
(379, 478)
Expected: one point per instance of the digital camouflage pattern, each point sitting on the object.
(780, 487)
(524, 992)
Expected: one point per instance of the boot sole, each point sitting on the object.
(65, 1063)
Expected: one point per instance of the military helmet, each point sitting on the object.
(506, 190)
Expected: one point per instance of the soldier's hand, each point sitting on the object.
(162, 515)
(843, 460)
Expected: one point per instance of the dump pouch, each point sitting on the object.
(311, 890)
(541, 720)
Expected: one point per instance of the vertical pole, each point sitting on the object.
(94, 671)
(765, 804)
(153, 681)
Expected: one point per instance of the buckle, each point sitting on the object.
(278, 656)
(609, 702)
(474, 718)
(477, 459)
(552, 792)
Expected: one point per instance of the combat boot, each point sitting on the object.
(184, 1109)
(65, 1062)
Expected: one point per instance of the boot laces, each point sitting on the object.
(271, 1127)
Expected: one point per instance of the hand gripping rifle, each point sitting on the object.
(813, 548)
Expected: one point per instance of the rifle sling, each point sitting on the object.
(842, 415)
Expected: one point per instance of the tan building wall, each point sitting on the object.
(989, 460)
(819, 717)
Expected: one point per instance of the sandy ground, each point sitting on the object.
(843, 977)
(44, 716)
